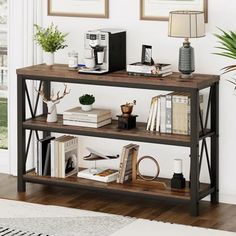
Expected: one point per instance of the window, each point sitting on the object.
(3, 76)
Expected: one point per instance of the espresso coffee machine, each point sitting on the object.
(104, 51)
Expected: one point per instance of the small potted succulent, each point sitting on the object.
(86, 102)
(51, 40)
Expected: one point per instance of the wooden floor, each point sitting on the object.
(222, 216)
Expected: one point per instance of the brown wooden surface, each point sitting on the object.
(109, 131)
(220, 216)
(138, 188)
(60, 72)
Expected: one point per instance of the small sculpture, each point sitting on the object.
(127, 108)
(52, 102)
(127, 120)
(96, 156)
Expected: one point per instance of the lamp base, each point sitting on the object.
(186, 76)
(186, 60)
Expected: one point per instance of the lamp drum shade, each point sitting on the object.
(186, 24)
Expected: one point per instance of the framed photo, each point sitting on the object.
(146, 55)
(159, 9)
(79, 8)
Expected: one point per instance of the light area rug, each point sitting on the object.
(27, 219)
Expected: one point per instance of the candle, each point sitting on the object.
(177, 166)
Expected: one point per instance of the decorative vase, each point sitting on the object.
(49, 58)
(86, 107)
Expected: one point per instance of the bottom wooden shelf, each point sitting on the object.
(128, 188)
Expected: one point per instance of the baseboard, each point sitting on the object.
(224, 198)
(4, 162)
(228, 198)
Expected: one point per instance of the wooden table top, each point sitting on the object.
(61, 73)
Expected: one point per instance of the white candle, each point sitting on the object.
(177, 166)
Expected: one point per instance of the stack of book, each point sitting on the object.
(95, 118)
(129, 153)
(171, 113)
(57, 157)
(156, 70)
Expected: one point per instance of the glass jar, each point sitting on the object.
(73, 60)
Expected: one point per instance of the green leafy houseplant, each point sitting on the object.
(227, 42)
(50, 39)
(87, 99)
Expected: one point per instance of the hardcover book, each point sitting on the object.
(87, 124)
(64, 156)
(93, 116)
(163, 114)
(156, 69)
(68, 156)
(42, 154)
(104, 175)
(129, 152)
(55, 156)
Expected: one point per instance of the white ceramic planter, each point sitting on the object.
(48, 58)
(86, 107)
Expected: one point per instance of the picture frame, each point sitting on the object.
(159, 9)
(79, 8)
(146, 58)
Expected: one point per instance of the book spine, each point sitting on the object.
(123, 168)
(87, 124)
(158, 118)
(201, 101)
(169, 114)
(127, 158)
(150, 115)
(151, 75)
(163, 115)
(53, 158)
(56, 159)
(86, 118)
(86, 115)
(39, 160)
(46, 170)
(60, 157)
(180, 114)
(63, 146)
(154, 115)
(189, 116)
(121, 165)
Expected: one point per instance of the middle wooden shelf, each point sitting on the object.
(111, 131)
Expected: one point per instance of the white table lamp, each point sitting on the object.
(186, 24)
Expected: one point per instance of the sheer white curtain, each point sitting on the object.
(23, 14)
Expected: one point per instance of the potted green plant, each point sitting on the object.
(228, 47)
(51, 40)
(86, 102)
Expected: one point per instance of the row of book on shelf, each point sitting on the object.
(59, 158)
(171, 113)
(95, 118)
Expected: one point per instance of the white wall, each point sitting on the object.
(125, 14)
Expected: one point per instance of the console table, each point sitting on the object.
(192, 194)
